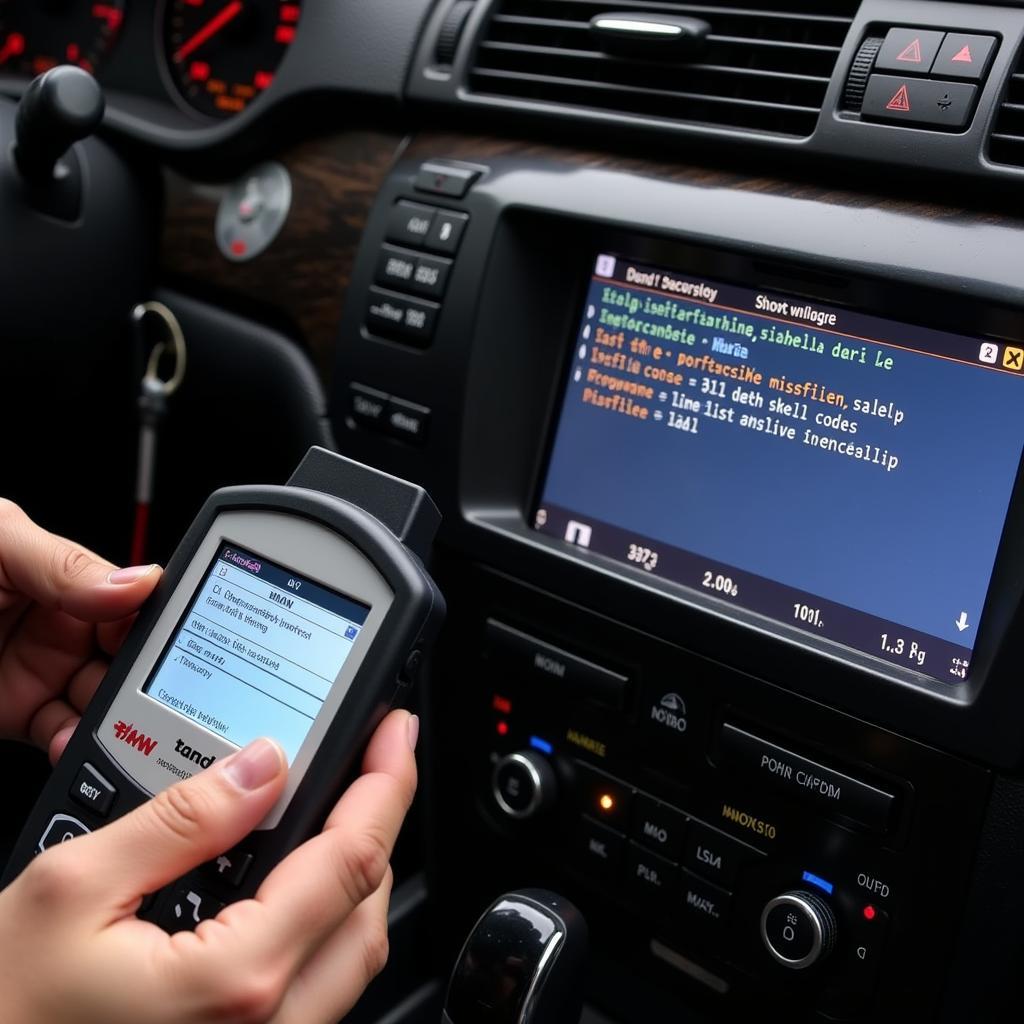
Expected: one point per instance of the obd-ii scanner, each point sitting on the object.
(300, 612)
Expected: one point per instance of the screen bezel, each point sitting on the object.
(528, 311)
(543, 466)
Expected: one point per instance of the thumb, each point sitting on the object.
(185, 825)
(57, 573)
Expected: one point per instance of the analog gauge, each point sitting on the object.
(36, 35)
(221, 54)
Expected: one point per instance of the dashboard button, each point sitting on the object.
(91, 790)
(909, 51)
(650, 880)
(599, 849)
(803, 779)
(665, 727)
(704, 903)
(367, 406)
(578, 676)
(964, 56)
(184, 907)
(798, 929)
(407, 421)
(715, 856)
(230, 868)
(446, 179)
(410, 223)
(446, 231)
(603, 797)
(61, 828)
(658, 827)
(430, 277)
(398, 316)
(395, 267)
(919, 101)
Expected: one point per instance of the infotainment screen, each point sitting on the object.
(843, 473)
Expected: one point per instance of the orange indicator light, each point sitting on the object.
(606, 801)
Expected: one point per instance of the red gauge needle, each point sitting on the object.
(211, 28)
(14, 46)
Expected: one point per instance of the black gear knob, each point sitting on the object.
(58, 108)
(522, 963)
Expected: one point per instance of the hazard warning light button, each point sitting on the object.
(964, 56)
(910, 51)
(919, 101)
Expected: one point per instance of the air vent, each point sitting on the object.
(1006, 145)
(763, 68)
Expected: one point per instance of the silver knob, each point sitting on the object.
(523, 784)
(798, 929)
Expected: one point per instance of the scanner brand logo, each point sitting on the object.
(195, 756)
(130, 735)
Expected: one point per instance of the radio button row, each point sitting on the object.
(91, 790)
(806, 780)
(368, 407)
(398, 316)
(412, 272)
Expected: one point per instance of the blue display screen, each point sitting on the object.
(257, 651)
(839, 472)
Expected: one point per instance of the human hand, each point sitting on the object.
(63, 612)
(301, 952)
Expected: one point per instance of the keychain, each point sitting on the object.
(153, 396)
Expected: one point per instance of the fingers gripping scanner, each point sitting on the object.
(300, 612)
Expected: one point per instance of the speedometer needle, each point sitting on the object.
(211, 28)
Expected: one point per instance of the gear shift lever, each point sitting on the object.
(522, 963)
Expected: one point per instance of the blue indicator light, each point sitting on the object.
(819, 882)
(545, 748)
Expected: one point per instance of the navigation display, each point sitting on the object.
(257, 652)
(839, 472)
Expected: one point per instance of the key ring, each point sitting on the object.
(152, 382)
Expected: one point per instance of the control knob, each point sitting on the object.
(798, 929)
(523, 784)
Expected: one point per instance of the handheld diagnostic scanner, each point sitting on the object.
(300, 612)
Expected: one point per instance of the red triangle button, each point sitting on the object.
(912, 53)
(900, 102)
(964, 56)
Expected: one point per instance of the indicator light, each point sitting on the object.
(542, 745)
(502, 704)
(815, 880)
(869, 913)
(606, 801)
(502, 728)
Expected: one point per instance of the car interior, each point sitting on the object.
(716, 726)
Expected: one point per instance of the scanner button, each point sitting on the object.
(91, 790)
(61, 828)
(231, 867)
(185, 907)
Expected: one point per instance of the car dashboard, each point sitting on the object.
(702, 324)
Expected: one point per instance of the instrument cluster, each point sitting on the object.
(215, 57)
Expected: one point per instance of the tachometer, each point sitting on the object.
(221, 54)
(36, 35)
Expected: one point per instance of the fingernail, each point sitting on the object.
(255, 765)
(132, 574)
(414, 731)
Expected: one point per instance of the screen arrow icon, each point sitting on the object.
(962, 622)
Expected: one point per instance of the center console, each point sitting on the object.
(732, 555)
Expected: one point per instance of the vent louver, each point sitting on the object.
(1006, 144)
(764, 68)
